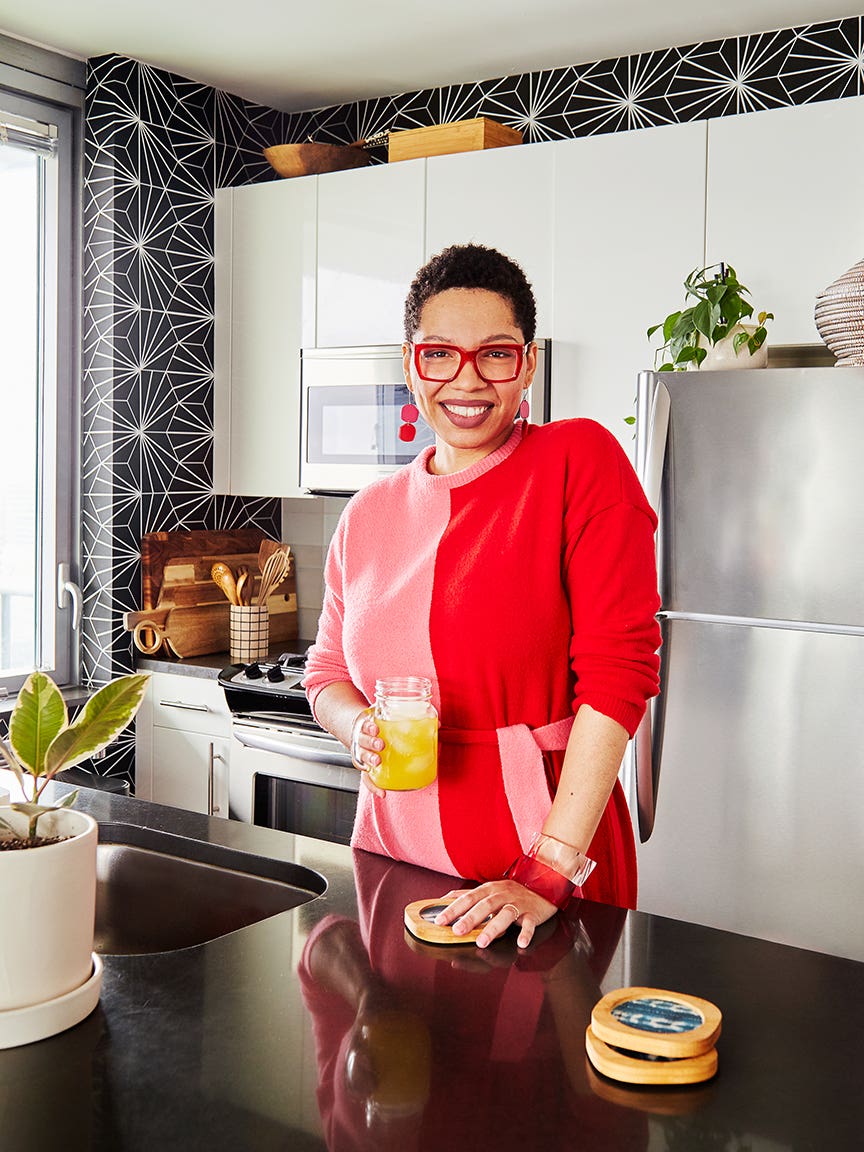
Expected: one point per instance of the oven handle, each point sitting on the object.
(285, 746)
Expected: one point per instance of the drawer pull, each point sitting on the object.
(184, 706)
(213, 756)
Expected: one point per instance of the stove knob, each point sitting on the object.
(253, 671)
(275, 674)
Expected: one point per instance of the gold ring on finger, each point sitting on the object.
(516, 912)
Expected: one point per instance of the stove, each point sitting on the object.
(285, 771)
(273, 689)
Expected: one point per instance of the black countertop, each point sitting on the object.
(207, 667)
(266, 1038)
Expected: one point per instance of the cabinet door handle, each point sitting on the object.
(185, 707)
(212, 757)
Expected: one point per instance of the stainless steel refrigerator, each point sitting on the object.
(748, 776)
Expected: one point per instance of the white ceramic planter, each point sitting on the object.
(47, 908)
(722, 355)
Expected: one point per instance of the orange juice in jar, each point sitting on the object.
(408, 725)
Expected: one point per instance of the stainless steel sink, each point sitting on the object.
(157, 892)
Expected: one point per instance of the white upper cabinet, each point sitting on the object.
(265, 310)
(370, 244)
(503, 198)
(629, 225)
(786, 205)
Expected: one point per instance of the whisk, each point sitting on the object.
(276, 568)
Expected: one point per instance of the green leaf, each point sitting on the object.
(102, 719)
(687, 354)
(757, 339)
(653, 329)
(763, 316)
(702, 318)
(666, 368)
(701, 353)
(739, 339)
(68, 800)
(629, 419)
(669, 325)
(38, 717)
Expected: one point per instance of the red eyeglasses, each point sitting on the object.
(494, 363)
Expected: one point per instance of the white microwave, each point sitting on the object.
(351, 403)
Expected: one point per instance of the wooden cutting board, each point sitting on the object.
(191, 615)
(159, 547)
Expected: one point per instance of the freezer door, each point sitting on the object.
(759, 827)
(761, 511)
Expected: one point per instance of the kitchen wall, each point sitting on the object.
(156, 147)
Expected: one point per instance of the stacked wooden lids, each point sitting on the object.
(650, 1036)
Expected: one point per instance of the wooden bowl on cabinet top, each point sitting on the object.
(311, 159)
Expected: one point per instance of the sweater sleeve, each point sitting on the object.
(611, 577)
(325, 660)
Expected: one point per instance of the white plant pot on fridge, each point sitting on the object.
(50, 977)
(722, 355)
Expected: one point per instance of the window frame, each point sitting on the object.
(58, 648)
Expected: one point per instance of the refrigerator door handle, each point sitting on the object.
(653, 404)
(655, 449)
(647, 745)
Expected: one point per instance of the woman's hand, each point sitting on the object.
(506, 902)
(366, 746)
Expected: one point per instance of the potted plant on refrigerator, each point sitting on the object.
(712, 333)
(49, 976)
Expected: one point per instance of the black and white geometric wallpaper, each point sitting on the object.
(156, 148)
(672, 85)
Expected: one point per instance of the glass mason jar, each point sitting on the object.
(408, 725)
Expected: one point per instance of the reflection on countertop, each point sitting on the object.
(328, 1026)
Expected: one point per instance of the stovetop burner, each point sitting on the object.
(280, 675)
(272, 686)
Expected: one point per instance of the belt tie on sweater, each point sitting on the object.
(521, 752)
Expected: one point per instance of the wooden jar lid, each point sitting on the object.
(657, 1023)
(632, 1068)
(419, 920)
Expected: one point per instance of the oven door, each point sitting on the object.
(291, 780)
(352, 401)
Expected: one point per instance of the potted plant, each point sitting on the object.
(711, 333)
(49, 978)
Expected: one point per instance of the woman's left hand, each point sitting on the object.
(505, 901)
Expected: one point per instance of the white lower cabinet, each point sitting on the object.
(183, 743)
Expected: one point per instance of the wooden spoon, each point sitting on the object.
(243, 585)
(267, 548)
(223, 577)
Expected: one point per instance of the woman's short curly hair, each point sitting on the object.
(472, 266)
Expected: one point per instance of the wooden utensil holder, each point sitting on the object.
(249, 633)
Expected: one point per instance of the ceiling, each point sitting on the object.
(296, 56)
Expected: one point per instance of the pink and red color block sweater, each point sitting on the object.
(523, 586)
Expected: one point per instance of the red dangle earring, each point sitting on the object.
(409, 415)
(522, 414)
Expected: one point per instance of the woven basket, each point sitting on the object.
(840, 316)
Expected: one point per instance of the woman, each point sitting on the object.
(514, 566)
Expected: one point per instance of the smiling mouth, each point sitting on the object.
(467, 410)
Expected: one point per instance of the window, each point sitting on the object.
(38, 395)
